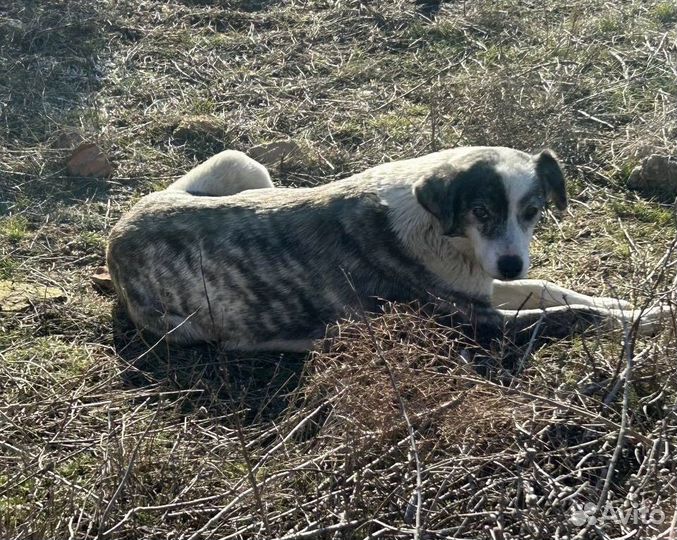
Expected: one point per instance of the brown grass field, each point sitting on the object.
(386, 434)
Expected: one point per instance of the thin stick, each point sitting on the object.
(127, 473)
(628, 347)
(250, 474)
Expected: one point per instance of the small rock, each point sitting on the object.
(102, 280)
(656, 176)
(271, 154)
(18, 296)
(199, 125)
(88, 160)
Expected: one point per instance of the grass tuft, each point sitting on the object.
(14, 228)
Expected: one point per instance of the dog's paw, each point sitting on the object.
(649, 321)
(613, 303)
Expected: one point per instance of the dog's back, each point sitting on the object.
(260, 266)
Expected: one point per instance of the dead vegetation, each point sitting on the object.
(388, 433)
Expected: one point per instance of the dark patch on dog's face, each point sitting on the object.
(474, 196)
(481, 200)
(530, 206)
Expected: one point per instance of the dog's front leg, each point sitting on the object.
(537, 293)
(527, 325)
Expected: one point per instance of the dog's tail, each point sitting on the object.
(224, 174)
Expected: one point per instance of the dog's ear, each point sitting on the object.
(550, 173)
(435, 194)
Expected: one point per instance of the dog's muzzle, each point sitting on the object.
(510, 266)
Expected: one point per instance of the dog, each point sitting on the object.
(223, 256)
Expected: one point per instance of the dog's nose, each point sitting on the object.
(510, 266)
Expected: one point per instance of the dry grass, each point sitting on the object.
(105, 436)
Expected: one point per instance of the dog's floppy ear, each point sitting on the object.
(550, 173)
(435, 194)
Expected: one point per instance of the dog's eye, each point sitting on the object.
(530, 213)
(481, 213)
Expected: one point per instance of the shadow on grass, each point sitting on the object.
(255, 385)
(51, 65)
(241, 5)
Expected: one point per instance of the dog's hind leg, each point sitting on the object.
(537, 293)
(172, 327)
(226, 173)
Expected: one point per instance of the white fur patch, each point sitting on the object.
(226, 173)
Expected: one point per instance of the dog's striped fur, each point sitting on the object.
(257, 267)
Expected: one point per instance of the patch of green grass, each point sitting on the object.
(642, 211)
(402, 123)
(94, 241)
(15, 505)
(571, 371)
(349, 133)
(358, 70)
(611, 244)
(14, 228)
(203, 105)
(639, 96)
(448, 33)
(51, 355)
(394, 124)
(78, 467)
(625, 170)
(665, 12)
(500, 54)
(610, 23)
(8, 267)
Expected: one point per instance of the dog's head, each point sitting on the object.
(493, 197)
